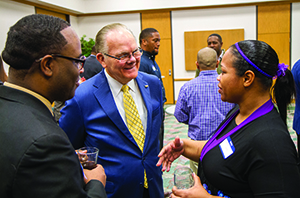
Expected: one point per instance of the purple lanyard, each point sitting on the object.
(212, 142)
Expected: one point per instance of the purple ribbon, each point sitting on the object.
(262, 110)
(281, 69)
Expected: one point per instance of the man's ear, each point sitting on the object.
(47, 65)
(218, 61)
(248, 78)
(100, 58)
(197, 64)
(144, 42)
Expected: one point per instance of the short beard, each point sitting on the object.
(154, 52)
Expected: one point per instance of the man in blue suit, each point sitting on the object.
(96, 117)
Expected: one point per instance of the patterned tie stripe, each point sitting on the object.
(134, 122)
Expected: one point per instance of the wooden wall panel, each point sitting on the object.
(162, 22)
(273, 27)
(51, 13)
(280, 43)
(158, 20)
(164, 60)
(273, 18)
(196, 40)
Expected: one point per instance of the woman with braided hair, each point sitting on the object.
(251, 153)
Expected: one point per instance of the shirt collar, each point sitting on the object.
(207, 72)
(116, 86)
(222, 54)
(149, 55)
(38, 96)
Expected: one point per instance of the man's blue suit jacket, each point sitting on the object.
(91, 118)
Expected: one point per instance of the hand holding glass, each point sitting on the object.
(88, 157)
(183, 178)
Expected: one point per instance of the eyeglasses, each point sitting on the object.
(79, 62)
(126, 56)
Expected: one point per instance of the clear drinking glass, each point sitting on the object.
(183, 178)
(88, 157)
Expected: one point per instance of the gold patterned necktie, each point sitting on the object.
(134, 122)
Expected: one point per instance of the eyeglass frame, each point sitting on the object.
(76, 60)
(131, 54)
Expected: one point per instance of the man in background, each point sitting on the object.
(215, 42)
(91, 65)
(150, 43)
(99, 116)
(199, 103)
(37, 158)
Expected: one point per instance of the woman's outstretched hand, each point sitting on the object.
(169, 153)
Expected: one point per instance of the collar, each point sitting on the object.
(38, 96)
(222, 54)
(207, 72)
(116, 85)
(149, 55)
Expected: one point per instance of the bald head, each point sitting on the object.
(207, 59)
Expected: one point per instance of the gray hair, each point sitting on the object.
(101, 40)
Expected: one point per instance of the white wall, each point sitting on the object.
(70, 5)
(206, 19)
(10, 13)
(74, 23)
(90, 25)
(92, 6)
(295, 33)
(101, 6)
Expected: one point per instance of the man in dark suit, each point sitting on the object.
(91, 66)
(150, 43)
(36, 158)
(96, 116)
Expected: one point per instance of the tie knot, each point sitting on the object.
(125, 88)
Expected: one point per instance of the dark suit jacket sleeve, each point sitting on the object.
(93, 187)
(52, 167)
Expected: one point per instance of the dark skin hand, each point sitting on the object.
(197, 191)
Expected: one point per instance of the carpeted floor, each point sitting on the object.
(173, 128)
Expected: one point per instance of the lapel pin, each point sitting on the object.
(146, 86)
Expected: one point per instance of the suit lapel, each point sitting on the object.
(107, 103)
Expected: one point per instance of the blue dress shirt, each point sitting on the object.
(200, 106)
(149, 66)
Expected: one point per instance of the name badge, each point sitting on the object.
(227, 147)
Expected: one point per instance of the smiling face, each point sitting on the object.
(121, 42)
(230, 84)
(152, 43)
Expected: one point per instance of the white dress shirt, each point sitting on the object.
(117, 93)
